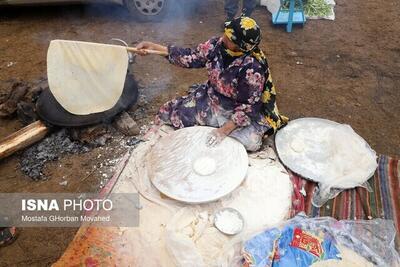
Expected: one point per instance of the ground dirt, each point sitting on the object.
(345, 70)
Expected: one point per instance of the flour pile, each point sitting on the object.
(263, 193)
(228, 221)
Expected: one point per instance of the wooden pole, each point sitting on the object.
(22, 138)
(148, 51)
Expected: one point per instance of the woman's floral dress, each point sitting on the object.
(234, 92)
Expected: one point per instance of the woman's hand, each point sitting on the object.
(150, 46)
(217, 135)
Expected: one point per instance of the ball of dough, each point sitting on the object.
(297, 145)
(204, 166)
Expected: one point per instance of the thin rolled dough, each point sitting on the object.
(297, 145)
(86, 78)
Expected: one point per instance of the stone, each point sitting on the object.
(9, 106)
(126, 125)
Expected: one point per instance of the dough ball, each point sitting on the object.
(297, 145)
(204, 166)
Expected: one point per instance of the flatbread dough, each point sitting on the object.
(297, 145)
(174, 171)
(204, 166)
(86, 78)
(326, 152)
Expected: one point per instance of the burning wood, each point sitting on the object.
(22, 100)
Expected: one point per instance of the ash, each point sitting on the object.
(50, 149)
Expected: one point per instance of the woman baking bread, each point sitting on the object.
(239, 98)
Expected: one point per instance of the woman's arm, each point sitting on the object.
(183, 57)
(227, 128)
(219, 134)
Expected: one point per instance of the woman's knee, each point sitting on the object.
(253, 146)
(251, 142)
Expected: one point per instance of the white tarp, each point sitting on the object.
(182, 234)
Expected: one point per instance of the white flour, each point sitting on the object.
(264, 198)
(228, 222)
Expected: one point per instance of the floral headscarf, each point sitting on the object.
(245, 33)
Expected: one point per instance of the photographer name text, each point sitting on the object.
(57, 218)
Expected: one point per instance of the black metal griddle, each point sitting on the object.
(50, 111)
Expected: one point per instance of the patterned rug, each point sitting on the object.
(357, 204)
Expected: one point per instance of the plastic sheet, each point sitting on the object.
(373, 240)
(190, 237)
(177, 233)
(273, 7)
(329, 153)
(183, 167)
(330, 16)
(323, 193)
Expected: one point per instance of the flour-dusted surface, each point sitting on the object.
(265, 197)
(326, 152)
(185, 235)
(184, 168)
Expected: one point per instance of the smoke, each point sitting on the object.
(187, 23)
